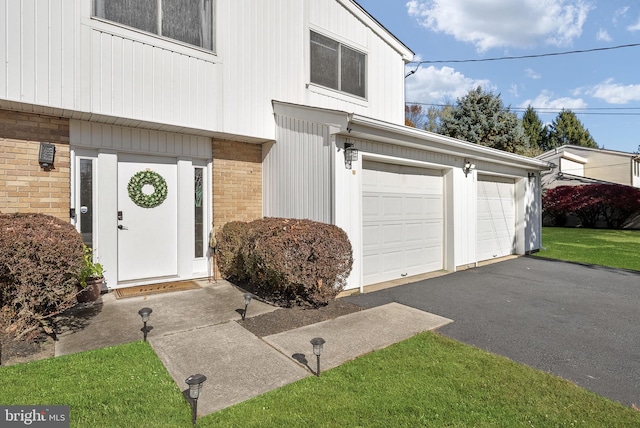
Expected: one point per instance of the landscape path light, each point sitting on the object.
(144, 314)
(317, 343)
(195, 385)
(247, 300)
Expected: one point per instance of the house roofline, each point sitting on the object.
(565, 147)
(357, 126)
(388, 36)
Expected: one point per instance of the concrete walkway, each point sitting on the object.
(195, 332)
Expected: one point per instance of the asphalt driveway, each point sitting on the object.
(580, 322)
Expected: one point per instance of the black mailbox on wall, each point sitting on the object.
(46, 155)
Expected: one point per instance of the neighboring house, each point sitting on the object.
(576, 165)
(243, 109)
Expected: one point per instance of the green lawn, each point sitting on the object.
(613, 248)
(428, 380)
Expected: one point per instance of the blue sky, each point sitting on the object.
(602, 88)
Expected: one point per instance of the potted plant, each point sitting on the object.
(91, 278)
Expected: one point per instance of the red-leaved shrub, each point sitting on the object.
(287, 261)
(613, 203)
(40, 258)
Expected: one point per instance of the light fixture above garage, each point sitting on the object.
(468, 167)
(350, 155)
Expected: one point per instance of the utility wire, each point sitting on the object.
(504, 58)
(635, 111)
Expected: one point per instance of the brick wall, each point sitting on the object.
(24, 185)
(237, 182)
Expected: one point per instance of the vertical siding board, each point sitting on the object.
(29, 53)
(138, 80)
(14, 45)
(56, 57)
(42, 52)
(107, 76)
(96, 70)
(157, 75)
(117, 76)
(4, 61)
(74, 62)
(128, 78)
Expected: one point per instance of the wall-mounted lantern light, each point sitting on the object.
(195, 386)
(46, 155)
(247, 300)
(468, 167)
(317, 343)
(144, 314)
(350, 154)
(531, 175)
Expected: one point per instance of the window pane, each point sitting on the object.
(198, 188)
(324, 61)
(352, 72)
(140, 14)
(190, 21)
(86, 202)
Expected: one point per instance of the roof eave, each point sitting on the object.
(365, 127)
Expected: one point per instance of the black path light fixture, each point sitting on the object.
(247, 300)
(195, 386)
(317, 343)
(144, 314)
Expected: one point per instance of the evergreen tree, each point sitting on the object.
(480, 117)
(534, 130)
(567, 129)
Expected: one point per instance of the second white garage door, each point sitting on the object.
(402, 221)
(496, 217)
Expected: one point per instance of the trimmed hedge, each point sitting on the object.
(40, 259)
(288, 261)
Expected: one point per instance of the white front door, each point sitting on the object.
(147, 236)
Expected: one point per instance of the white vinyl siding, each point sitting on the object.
(402, 221)
(496, 229)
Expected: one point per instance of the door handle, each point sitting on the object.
(121, 227)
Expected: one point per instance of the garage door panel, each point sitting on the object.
(496, 217)
(402, 221)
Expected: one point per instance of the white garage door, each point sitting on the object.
(402, 221)
(496, 217)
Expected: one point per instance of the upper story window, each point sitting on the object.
(189, 21)
(337, 66)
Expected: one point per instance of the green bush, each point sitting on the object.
(287, 261)
(40, 259)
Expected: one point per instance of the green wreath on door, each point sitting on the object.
(141, 179)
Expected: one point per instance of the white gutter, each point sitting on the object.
(373, 129)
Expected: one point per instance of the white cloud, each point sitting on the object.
(603, 35)
(513, 89)
(620, 13)
(547, 100)
(614, 93)
(532, 74)
(503, 23)
(634, 27)
(433, 85)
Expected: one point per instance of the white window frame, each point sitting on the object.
(341, 44)
(94, 15)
